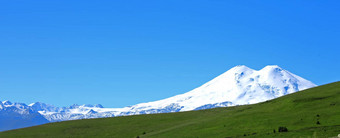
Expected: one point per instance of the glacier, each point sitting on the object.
(238, 86)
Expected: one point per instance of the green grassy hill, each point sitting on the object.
(298, 112)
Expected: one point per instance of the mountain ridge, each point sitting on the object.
(238, 86)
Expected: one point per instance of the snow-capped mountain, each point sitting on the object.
(72, 112)
(239, 85)
(18, 115)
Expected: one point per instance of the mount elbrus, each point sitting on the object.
(238, 86)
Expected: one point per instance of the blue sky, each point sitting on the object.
(120, 53)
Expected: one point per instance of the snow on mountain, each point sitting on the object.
(38, 106)
(239, 85)
(74, 112)
(18, 115)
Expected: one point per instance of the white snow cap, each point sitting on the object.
(237, 86)
(7, 102)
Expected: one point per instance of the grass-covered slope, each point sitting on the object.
(298, 112)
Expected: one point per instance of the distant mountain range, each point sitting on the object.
(238, 86)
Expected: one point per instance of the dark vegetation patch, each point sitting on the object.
(311, 99)
(283, 129)
(244, 109)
